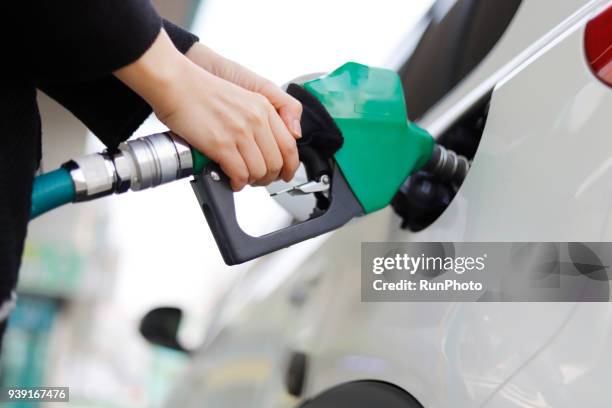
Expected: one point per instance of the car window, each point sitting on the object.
(451, 47)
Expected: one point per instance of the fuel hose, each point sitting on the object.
(137, 165)
(51, 190)
(158, 159)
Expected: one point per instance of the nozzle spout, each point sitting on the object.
(447, 165)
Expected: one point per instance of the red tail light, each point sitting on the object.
(598, 45)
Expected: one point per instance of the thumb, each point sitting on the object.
(291, 114)
(288, 108)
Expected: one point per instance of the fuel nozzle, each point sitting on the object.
(447, 166)
(136, 165)
(425, 195)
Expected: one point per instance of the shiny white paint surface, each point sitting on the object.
(543, 172)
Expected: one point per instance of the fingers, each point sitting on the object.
(239, 129)
(289, 108)
(291, 114)
(286, 145)
(234, 166)
(266, 141)
(262, 148)
(252, 155)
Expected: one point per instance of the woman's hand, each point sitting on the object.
(289, 108)
(235, 127)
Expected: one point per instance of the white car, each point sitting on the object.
(514, 86)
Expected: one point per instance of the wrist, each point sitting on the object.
(158, 70)
(206, 58)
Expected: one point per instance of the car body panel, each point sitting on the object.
(541, 173)
(572, 370)
(535, 25)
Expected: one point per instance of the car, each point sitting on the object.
(510, 85)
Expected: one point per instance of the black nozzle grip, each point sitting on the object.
(216, 199)
(315, 164)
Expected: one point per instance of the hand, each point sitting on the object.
(289, 108)
(237, 128)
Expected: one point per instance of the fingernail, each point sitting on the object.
(296, 128)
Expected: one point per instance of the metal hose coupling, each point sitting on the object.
(447, 165)
(138, 164)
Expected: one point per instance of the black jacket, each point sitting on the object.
(67, 49)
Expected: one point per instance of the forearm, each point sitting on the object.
(156, 72)
(110, 109)
(206, 58)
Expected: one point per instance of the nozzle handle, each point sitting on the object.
(216, 199)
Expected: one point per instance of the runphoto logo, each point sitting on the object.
(413, 264)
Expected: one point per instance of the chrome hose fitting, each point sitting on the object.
(153, 160)
(447, 165)
(138, 164)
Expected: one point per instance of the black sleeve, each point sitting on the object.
(111, 110)
(83, 39)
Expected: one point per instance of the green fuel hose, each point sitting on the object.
(51, 190)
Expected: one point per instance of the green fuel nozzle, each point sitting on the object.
(358, 147)
(381, 146)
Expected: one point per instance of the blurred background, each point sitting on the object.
(92, 271)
